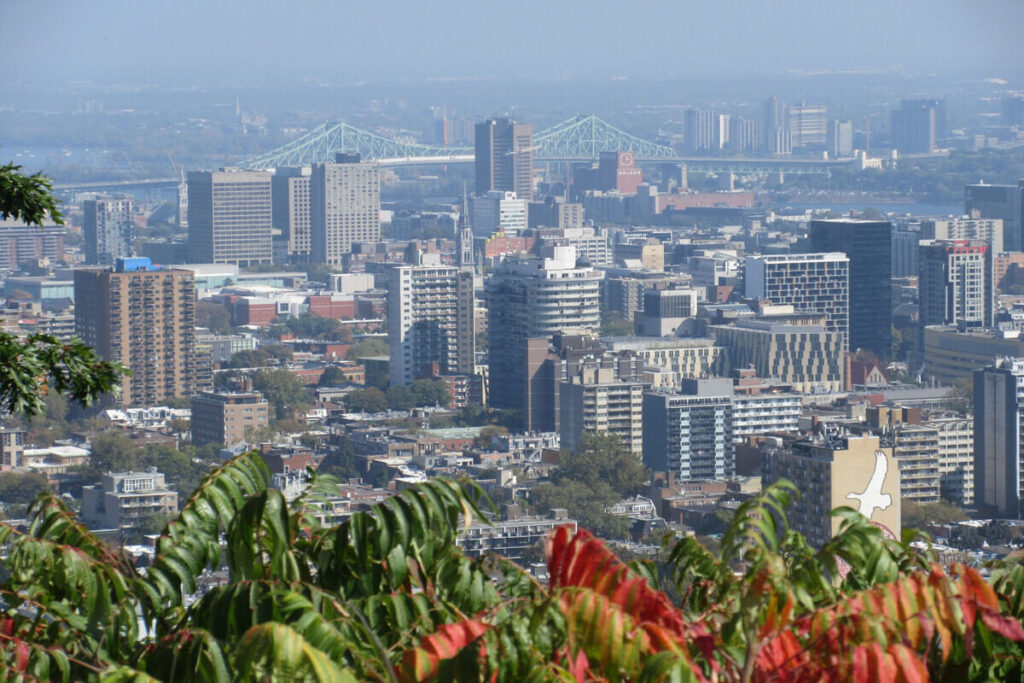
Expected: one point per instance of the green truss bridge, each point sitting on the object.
(579, 139)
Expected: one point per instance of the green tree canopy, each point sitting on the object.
(214, 316)
(283, 390)
(369, 346)
(20, 488)
(369, 400)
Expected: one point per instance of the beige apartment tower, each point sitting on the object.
(833, 471)
(223, 418)
(291, 214)
(229, 217)
(143, 317)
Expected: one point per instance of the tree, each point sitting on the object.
(311, 326)
(962, 395)
(113, 451)
(613, 324)
(214, 316)
(602, 458)
(19, 488)
(388, 595)
(369, 400)
(400, 398)
(254, 358)
(283, 390)
(369, 346)
(919, 515)
(42, 363)
(333, 376)
(430, 392)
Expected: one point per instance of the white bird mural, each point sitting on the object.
(872, 497)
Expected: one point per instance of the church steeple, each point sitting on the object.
(464, 235)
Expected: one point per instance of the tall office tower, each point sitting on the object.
(617, 171)
(532, 299)
(144, 317)
(742, 134)
(938, 106)
(913, 130)
(430, 322)
(108, 229)
(999, 201)
(955, 284)
(499, 211)
(998, 454)
(906, 250)
(987, 230)
(1013, 109)
(840, 139)
(775, 134)
(690, 434)
(807, 124)
(699, 133)
(229, 217)
(504, 157)
(183, 202)
(291, 214)
(828, 471)
(720, 130)
(811, 283)
(868, 245)
(344, 208)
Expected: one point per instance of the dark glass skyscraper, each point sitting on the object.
(504, 157)
(868, 245)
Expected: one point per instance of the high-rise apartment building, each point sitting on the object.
(108, 229)
(504, 157)
(344, 208)
(988, 230)
(839, 141)
(913, 129)
(955, 284)
(999, 201)
(775, 134)
(807, 125)
(810, 283)
(998, 454)
(430, 322)
(938, 106)
(742, 134)
(868, 245)
(594, 400)
(956, 458)
(690, 434)
(906, 250)
(533, 298)
(833, 471)
(291, 214)
(699, 133)
(229, 217)
(143, 317)
(223, 418)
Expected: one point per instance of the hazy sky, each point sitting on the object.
(221, 41)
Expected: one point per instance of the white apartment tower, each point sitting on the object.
(430, 322)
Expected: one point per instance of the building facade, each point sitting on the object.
(124, 499)
(143, 317)
(955, 284)
(108, 229)
(229, 217)
(811, 283)
(690, 434)
(998, 456)
(868, 245)
(533, 298)
(291, 210)
(595, 401)
(504, 157)
(344, 209)
(999, 201)
(223, 418)
(499, 211)
(430, 322)
(833, 471)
